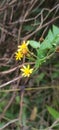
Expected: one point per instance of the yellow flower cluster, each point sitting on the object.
(21, 51)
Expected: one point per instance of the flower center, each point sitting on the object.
(27, 71)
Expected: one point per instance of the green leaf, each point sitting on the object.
(55, 30)
(53, 112)
(46, 45)
(34, 44)
(50, 36)
(41, 54)
(37, 64)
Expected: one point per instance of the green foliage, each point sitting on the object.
(47, 48)
(53, 112)
(34, 44)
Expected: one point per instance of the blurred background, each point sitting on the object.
(22, 20)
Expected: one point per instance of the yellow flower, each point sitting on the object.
(18, 55)
(23, 48)
(26, 71)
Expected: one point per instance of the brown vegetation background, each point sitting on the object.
(22, 20)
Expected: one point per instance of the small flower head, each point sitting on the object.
(27, 71)
(23, 48)
(18, 55)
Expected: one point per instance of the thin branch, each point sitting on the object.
(11, 81)
(7, 124)
(30, 89)
(40, 27)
